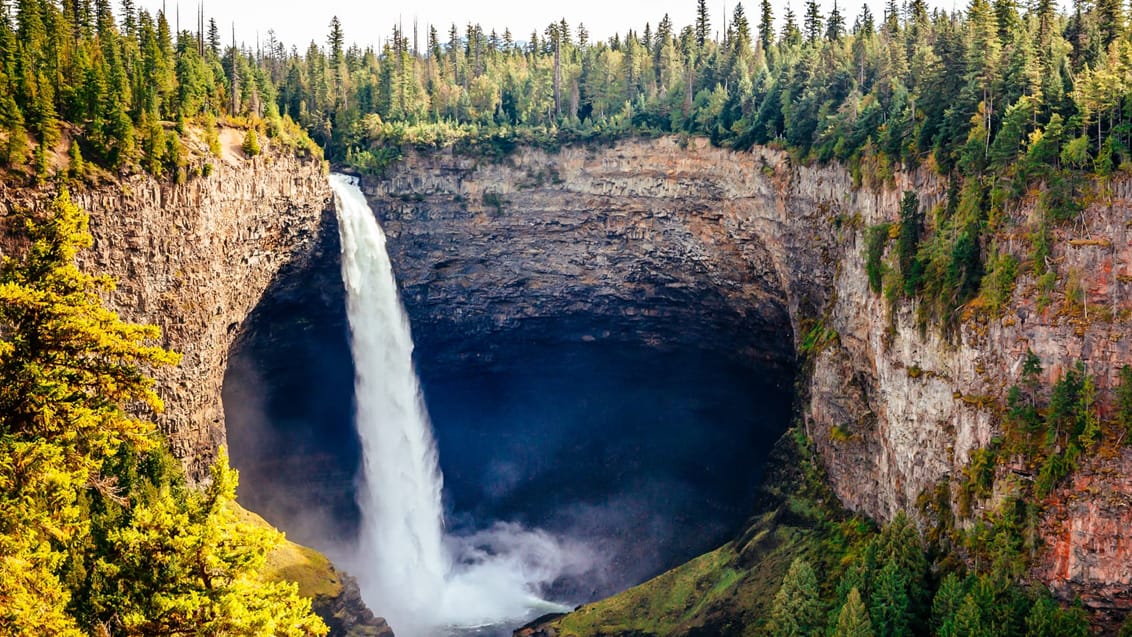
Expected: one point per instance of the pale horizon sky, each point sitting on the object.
(369, 22)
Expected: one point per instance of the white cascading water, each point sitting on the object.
(423, 582)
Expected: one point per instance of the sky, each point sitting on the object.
(369, 22)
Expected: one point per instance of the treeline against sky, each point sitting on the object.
(966, 90)
(1000, 98)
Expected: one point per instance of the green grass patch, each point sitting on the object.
(311, 570)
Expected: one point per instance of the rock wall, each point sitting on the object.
(194, 259)
(662, 239)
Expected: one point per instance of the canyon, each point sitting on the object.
(666, 243)
(671, 241)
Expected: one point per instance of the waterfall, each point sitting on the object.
(402, 519)
(423, 582)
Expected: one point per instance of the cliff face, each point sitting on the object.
(643, 242)
(656, 240)
(194, 259)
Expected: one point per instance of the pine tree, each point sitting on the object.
(185, 564)
(129, 18)
(812, 22)
(62, 348)
(835, 26)
(1124, 402)
(969, 621)
(853, 620)
(889, 604)
(865, 25)
(41, 165)
(891, 18)
(336, 41)
(16, 149)
(703, 23)
(1045, 619)
(213, 38)
(77, 168)
(766, 24)
(251, 143)
(911, 220)
(945, 606)
(175, 561)
(796, 609)
(1110, 21)
(740, 29)
(791, 35)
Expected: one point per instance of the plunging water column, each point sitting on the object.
(422, 581)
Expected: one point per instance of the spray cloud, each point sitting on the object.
(424, 582)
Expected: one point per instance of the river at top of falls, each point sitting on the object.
(422, 580)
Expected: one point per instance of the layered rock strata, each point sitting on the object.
(667, 239)
(194, 259)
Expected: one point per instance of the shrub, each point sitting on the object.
(251, 143)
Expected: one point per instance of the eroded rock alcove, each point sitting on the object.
(612, 367)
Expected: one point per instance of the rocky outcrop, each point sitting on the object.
(663, 239)
(194, 259)
(347, 615)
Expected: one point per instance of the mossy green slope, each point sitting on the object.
(729, 591)
(292, 562)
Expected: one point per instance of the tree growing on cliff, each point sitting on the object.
(69, 364)
(853, 620)
(251, 143)
(184, 563)
(86, 545)
(796, 610)
(908, 241)
(1124, 404)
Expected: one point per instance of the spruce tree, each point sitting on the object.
(969, 621)
(251, 143)
(129, 18)
(77, 166)
(791, 35)
(1110, 21)
(796, 609)
(766, 24)
(703, 23)
(889, 604)
(865, 25)
(853, 620)
(945, 606)
(213, 38)
(835, 26)
(91, 539)
(41, 164)
(812, 22)
(16, 149)
(740, 29)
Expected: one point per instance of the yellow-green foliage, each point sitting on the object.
(187, 564)
(251, 143)
(97, 533)
(68, 364)
(37, 514)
